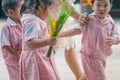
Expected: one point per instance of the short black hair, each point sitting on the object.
(9, 4)
(111, 1)
(34, 4)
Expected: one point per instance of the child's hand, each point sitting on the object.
(52, 41)
(82, 77)
(83, 19)
(110, 41)
(17, 55)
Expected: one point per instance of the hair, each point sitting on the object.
(111, 1)
(9, 4)
(33, 5)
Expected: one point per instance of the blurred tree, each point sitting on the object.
(2, 15)
(115, 12)
(116, 4)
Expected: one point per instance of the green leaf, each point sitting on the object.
(49, 51)
(62, 18)
(51, 25)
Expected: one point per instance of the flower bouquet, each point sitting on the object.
(57, 24)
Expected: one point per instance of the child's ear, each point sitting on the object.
(92, 7)
(42, 7)
(10, 12)
(111, 6)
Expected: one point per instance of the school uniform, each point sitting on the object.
(11, 36)
(34, 64)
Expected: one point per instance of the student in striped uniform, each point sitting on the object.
(34, 64)
(11, 37)
(98, 36)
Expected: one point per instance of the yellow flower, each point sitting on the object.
(89, 2)
(55, 23)
(50, 32)
(54, 26)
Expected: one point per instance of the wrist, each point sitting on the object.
(116, 40)
(47, 41)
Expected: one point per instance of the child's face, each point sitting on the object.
(101, 8)
(43, 12)
(15, 14)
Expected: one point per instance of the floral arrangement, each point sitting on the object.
(89, 2)
(57, 24)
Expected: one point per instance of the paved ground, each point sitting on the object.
(112, 69)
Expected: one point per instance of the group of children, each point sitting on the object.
(25, 40)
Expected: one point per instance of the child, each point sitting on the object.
(11, 37)
(34, 64)
(98, 36)
(68, 44)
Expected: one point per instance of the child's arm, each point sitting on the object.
(16, 54)
(38, 43)
(111, 41)
(81, 18)
(70, 32)
(5, 43)
(114, 38)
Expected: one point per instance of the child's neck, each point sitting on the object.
(39, 15)
(102, 19)
(16, 21)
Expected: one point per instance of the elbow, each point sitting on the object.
(77, 31)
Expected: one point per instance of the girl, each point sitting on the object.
(34, 65)
(67, 43)
(11, 37)
(98, 36)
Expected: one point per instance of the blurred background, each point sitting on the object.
(113, 62)
(115, 12)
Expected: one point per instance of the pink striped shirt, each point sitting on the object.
(34, 64)
(10, 36)
(94, 50)
(95, 33)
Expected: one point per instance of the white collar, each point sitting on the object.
(11, 22)
(29, 16)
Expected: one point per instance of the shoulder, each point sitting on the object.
(111, 20)
(92, 17)
(5, 27)
(32, 21)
